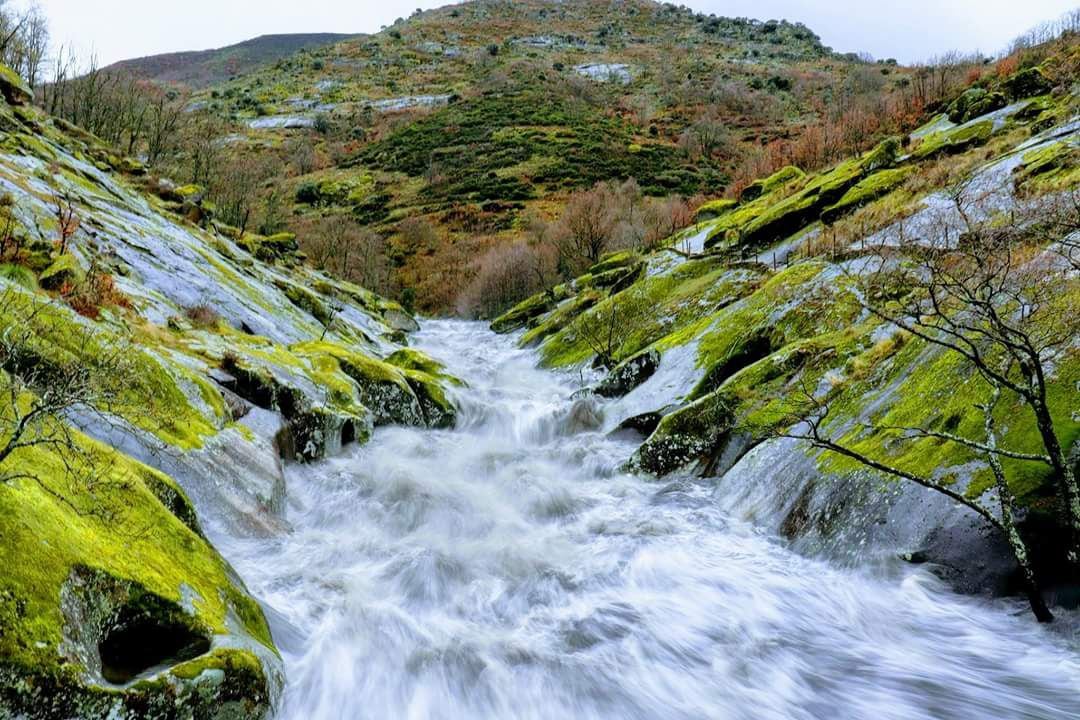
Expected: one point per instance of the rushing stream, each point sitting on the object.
(508, 569)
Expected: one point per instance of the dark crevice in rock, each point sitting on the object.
(310, 430)
(755, 349)
(119, 631)
(644, 424)
(139, 642)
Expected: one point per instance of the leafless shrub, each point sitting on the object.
(607, 327)
(339, 245)
(506, 275)
(202, 316)
(50, 376)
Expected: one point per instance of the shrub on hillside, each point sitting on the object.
(505, 276)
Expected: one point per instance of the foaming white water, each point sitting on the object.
(509, 569)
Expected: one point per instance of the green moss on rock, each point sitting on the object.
(974, 103)
(15, 90)
(690, 434)
(715, 208)
(410, 359)
(1027, 83)
(955, 140)
(519, 316)
(867, 190)
(1051, 167)
(20, 275)
(79, 561)
(777, 180)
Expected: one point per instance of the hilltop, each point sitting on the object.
(202, 68)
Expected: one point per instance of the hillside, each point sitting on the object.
(475, 118)
(788, 298)
(202, 68)
(162, 366)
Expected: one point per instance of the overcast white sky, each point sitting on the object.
(905, 29)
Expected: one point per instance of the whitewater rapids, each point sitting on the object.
(509, 569)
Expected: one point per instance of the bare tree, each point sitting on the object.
(49, 376)
(164, 121)
(586, 227)
(607, 327)
(133, 115)
(339, 245)
(1055, 219)
(67, 220)
(234, 186)
(808, 425)
(994, 289)
(991, 292)
(506, 275)
(24, 40)
(707, 135)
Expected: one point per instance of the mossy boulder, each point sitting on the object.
(867, 190)
(690, 434)
(561, 317)
(276, 247)
(305, 300)
(955, 140)
(64, 270)
(100, 618)
(1027, 83)
(615, 260)
(781, 219)
(764, 186)
(1034, 109)
(320, 404)
(16, 91)
(341, 191)
(884, 155)
(410, 359)
(615, 278)
(1055, 166)
(185, 193)
(397, 319)
(439, 411)
(765, 220)
(974, 103)
(715, 208)
(629, 374)
(384, 389)
(519, 316)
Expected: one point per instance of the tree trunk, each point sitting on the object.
(1020, 552)
(1065, 478)
(1008, 519)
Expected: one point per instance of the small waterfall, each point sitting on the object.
(510, 569)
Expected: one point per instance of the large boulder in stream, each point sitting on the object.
(629, 374)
